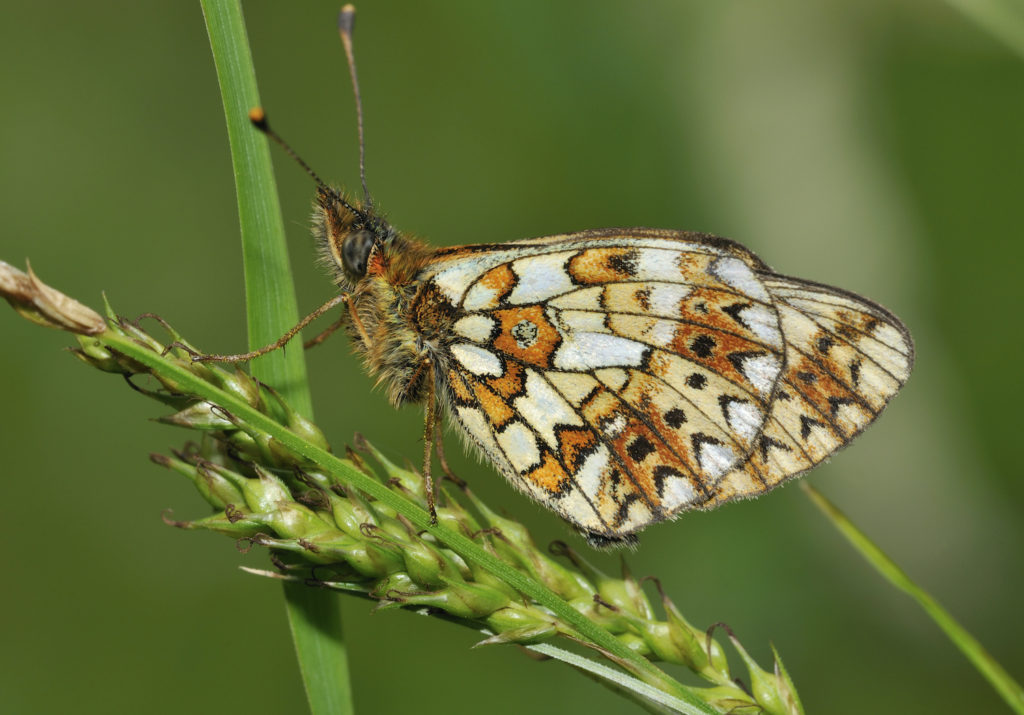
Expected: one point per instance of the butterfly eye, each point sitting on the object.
(355, 252)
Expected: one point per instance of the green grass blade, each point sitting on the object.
(1005, 685)
(1002, 18)
(313, 615)
(269, 293)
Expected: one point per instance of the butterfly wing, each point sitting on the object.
(846, 357)
(615, 376)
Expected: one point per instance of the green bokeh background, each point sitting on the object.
(873, 145)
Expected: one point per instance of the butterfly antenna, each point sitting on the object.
(346, 22)
(259, 120)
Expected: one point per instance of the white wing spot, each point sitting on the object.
(540, 278)
(476, 327)
(544, 409)
(589, 475)
(586, 351)
(525, 333)
(761, 371)
(763, 323)
(737, 274)
(744, 418)
(715, 459)
(477, 360)
(453, 280)
(581, 321)
(667, 298)
(481, 297)
(520, 446)
(677, 491)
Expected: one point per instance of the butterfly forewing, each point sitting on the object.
(845, 359)
(616, 376)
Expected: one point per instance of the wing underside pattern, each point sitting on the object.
(622, 378)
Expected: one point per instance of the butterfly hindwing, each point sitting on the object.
(846, 357)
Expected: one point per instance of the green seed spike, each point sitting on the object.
(201, 415)
(699, 651)
(407, 480)
(764, 685)
(787, 690)
(238, 528)
(462, 600)
(208, 478)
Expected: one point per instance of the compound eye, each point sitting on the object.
(355, 252)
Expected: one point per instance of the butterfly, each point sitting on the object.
(618, 377)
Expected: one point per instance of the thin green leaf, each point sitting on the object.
(269, 291)
(625, 684)
(313, 615)
(1005, 685)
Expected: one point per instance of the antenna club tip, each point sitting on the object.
(347, 18)
(258, 117)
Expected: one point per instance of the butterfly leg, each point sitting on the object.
(283, 340)
(429, 430)
(324, 334)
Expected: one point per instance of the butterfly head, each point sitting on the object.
(355, 242)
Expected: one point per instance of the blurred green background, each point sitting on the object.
(873, 145)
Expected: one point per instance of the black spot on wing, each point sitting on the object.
(696, 381)
(624, 263)
(675, 417)
(702, 346)
(639, 448)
